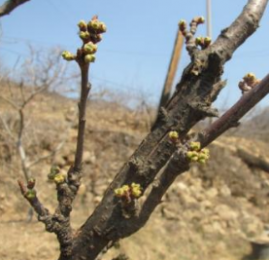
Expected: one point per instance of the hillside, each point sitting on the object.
(215, 211)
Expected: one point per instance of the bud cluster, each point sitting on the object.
(196, 154)
(129, 192)
(55, 175)
(193, 25)
(90, 34)
(203, 42)
(248, 82)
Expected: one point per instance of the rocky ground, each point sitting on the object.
(217, 211)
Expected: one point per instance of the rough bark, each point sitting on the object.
(190, 103)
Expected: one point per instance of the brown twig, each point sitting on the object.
(85, 88)
(233, 115)
(8, 6)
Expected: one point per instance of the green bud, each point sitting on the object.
(68, 56)
(199, 40)
(90, 48)
(102, 27)
(30, 194)
(59, 178)
(207, 41)
(190, 155)
(82, 25)
(89, 58)
(53, 171)
(182, 25)
(195, 146)
(94, 24)
(202, 161)
(200, 20)
(31, 183)
(84, 35)
(173, 136)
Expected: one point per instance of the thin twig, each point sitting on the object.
(85, 88)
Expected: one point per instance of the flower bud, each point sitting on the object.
(93, 25)
(82, 25)
(84, 35)
(122, 191)
(136, 190)
(89, 58)
(200, 20)
(173, 136)
(59, 178)
(207, 41)
(199, 41)
(196, 146)
(182, 25)
(31, 183)
(68, 56)
(90, 48)
(102, 28)
(30, 194)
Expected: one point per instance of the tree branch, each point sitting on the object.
(189, 104)
(8, 6)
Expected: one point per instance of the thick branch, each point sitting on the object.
(179, 164)
(10, 5)
(189, 105)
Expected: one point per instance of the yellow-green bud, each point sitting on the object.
(121, 192)
(207, 41)
(59, 178)
(205, 152)
(53, 171)
(202, 161)
(94, 24)
(84, 35)
(182, 25)
(30, 194)
(199, 40)
(250, 77)
(173, 135)
(90, 48)
(82, 25)
(68, 55)
(200, 19)
(136, 190)
(31, 183)
(190, 154)
(196, 146)
(102, 27)
(89, 58)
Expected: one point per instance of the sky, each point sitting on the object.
(135, 52)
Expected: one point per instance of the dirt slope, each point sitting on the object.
(211, 212)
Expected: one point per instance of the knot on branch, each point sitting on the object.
(203, 109)
(54, 223)
(192, 44)
(128, 195)
(248, 82)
